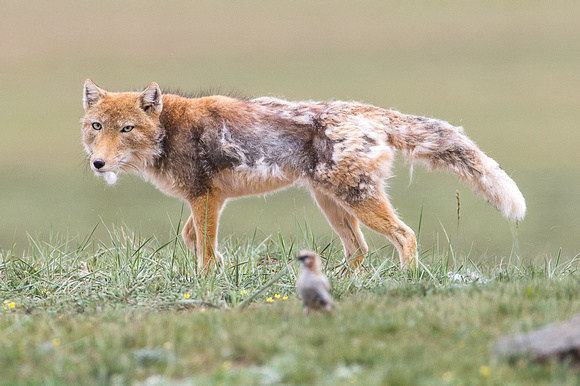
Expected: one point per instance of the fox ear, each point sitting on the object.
(92, 94)
(150, 99)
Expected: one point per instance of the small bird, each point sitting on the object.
(312, 285)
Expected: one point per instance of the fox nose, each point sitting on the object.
(98, 163)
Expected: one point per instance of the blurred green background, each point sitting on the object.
(508, 71)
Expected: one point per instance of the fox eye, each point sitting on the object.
(126, 129)
(97, 126)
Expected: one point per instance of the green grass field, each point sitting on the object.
(134, 310)
(93, 281)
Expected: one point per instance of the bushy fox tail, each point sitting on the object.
(442, 146)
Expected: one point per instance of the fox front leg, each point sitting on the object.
(204, 219)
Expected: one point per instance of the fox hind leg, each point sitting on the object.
(377, 213)
(345, 225)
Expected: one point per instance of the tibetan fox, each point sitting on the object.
(209, 149)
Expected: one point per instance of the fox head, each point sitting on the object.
(121, 131)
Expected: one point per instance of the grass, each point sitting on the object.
(135, 310)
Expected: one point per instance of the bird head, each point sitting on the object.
(309, 259)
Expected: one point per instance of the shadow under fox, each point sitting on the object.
(209, 149)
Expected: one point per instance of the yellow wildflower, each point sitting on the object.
(56, 342)
(270, 300)
(285, 298)
(529, 290)
(186, 296)
(277, 296)
(484, 371)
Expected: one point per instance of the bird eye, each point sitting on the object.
(97, 126)
(126, 129)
